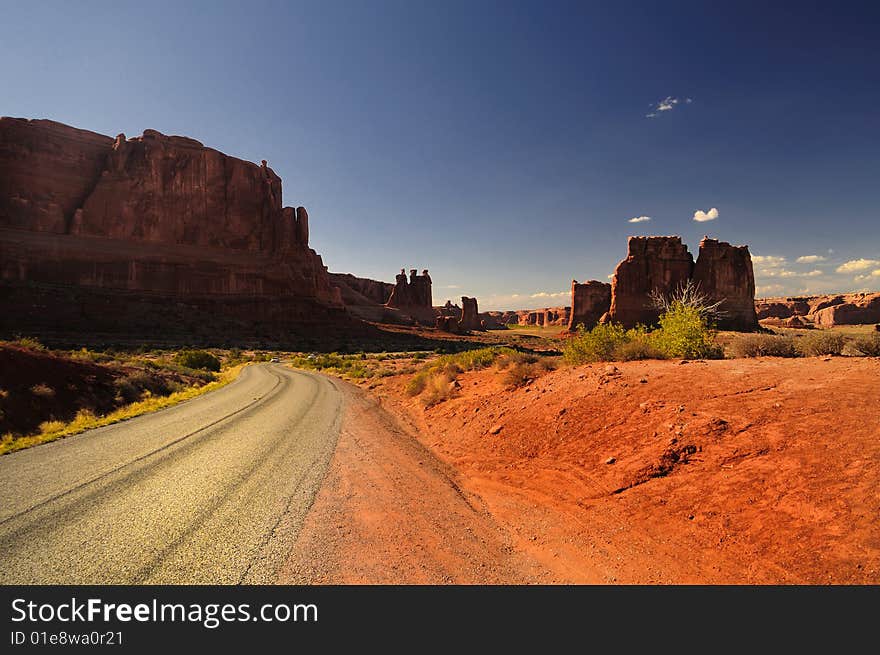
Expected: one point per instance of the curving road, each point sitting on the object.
(213, 490)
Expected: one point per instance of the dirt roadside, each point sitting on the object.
(762, 471)
(390, 512)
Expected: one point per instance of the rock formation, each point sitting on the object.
(652, 264)
(413, 296)
(153, 221)
(412, 292)
(858, 309)
(469, 314)
(589, 302)
(826, 311)
(663, 264)
(364, 290)
(724, 273)
(782, 308)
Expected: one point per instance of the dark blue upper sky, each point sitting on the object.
(505, 145)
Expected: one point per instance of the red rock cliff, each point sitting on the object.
(158, 215)
(652, 264)
(724, 273)
(589, 302)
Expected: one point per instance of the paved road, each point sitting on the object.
(213, 490)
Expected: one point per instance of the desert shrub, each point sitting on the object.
(126, 392)
(515, 358)
(637, 349)
(638, 343)
(436, 380)
(30, 343)
(821, 342)
(43, 391)
(438, 389)
(471, 360)
(867, 345)
(518, 375)
(198, 359)
(763, 345)
(596, 345)
(685, 332)
(690, 295)
(417, 384)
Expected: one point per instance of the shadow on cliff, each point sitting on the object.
(63, 316)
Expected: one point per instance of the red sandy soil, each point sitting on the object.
(735, 471)
(389, 512)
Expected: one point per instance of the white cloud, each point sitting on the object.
(546, 294)
(701, 217)
(768, 289)
(815, 273)
(768, 260)
(667, 104)
(810, 259)
(854, 265)
(450, 286)
(639, 219)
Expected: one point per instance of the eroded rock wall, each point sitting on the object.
(724, 273)
(653, 264)
(155, 215)
(589, 302)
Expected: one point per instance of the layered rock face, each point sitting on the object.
(589, 302)
(724, 273)
(825, 311)
(663, 264)
(652, 264)
(782, 308)
(857, 309)
(413, 296)
(366, 290)
(470, 319)
(47, 171)
(122, 221)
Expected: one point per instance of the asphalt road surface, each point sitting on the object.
(213, 490)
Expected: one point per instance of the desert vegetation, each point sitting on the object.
(685, 330)
(52, 393)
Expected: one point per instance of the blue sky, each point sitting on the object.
(505, 145)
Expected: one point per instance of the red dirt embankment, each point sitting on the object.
(735, 471)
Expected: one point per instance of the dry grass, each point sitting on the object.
(85, 420)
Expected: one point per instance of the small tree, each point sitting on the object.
(687, 322)
(688, 294)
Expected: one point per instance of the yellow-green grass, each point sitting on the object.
(85, 420)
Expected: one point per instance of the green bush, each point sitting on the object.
(684, 332)
(821, 342)
(868, 345)
(763, 345)
(638, 344)
(198, 359)
(596, 345)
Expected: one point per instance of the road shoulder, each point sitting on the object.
(390, 512)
